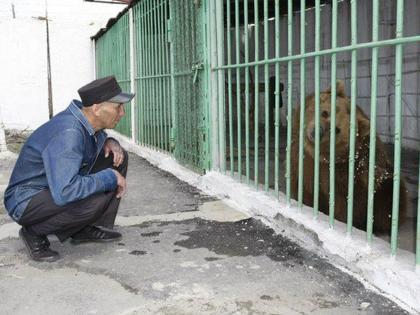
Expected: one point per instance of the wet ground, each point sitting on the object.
(409, 172)
(182, 252)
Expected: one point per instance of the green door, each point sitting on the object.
(189, 97)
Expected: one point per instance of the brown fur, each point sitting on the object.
(384, 168)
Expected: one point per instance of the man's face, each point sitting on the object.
(110, 114)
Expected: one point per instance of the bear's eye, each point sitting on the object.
(325, 114)
(337, 130)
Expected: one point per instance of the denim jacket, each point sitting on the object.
(59, 156)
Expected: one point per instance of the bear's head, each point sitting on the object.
(342, 124)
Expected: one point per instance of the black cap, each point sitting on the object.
(103, 90)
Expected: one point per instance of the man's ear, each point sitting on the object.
(340, 89)
(95, 108)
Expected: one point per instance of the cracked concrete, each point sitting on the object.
(182, 252)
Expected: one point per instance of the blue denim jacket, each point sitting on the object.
(59, 156)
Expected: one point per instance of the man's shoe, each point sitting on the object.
(38, 246)
(92, 233)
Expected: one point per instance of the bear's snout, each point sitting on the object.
(311, 133)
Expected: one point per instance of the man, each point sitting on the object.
(69, 177)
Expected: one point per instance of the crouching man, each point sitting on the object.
(69, 177)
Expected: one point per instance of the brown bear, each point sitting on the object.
(384, 168)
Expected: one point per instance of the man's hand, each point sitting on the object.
(121, 183)
(113, 146)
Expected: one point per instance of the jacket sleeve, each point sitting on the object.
(62, 159)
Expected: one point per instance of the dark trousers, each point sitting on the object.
(43, 217)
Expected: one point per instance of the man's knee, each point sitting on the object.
(92, 207)
(124, 165)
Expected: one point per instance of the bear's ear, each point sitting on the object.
(363, 123)
(340, 89)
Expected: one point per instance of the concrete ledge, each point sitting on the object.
(396, 278)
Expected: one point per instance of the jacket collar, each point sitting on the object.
(75, 108)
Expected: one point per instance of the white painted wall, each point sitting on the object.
(23, 55)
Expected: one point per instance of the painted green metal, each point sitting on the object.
(221, 85)
(229, 60)
(289, 95)
(398, 129)
(372, 143)
(256, 99)
(266, 105)
(418, 224)
(113, 58)
(352, 145)
(317, 110)
(277, 100)
(302, 103)
(238, 92)
(333, 113)
(246, 35)
(325, 52)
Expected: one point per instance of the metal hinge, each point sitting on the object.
(195, 67)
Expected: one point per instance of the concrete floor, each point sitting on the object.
(182, 253)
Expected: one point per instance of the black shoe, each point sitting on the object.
(38, 246)
(94, 234)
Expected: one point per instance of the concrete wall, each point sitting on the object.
(23, 55)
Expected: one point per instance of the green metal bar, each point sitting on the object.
(229, 61)
(267, 109)
(302, 103)
(161, 99)
(289, 96)
(398, 130)
(246, 35)
(317, 110)
(143, 72)
(333, 113)
(148, 72)
(154, 82)
(162, 34)
(221, 85)
(277, 99)
(341, 49)
(167, 82)
(353, 127)
(372, 144)
(256, 92)
(418, 225)
(238, 91)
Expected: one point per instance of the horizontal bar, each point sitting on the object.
(389, 42)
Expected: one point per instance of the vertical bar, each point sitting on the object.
(148, 73)
(372, 144)
(238, 90)
(333, 112)
(229, 60)
(352, 117)
(155, 80)
(167, 79)
(143, 73)
(132, 74)
(256, 100)
(302, 102)
(418, 225)
(163, 78)
(267, 109)
(246, 35)
(289, 95)
(221, 85)
(213, 88)
(277, 99)
(317, 110)
(94, 49)
(398, 125)
(160, 72)
(173, 47)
